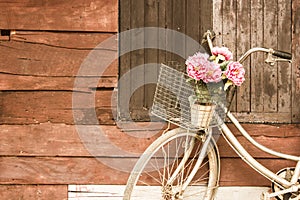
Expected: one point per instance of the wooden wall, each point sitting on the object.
(41, 151)
(42, 45)
(269, 93)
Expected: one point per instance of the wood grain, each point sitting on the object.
(28, 192)
(244, 38)
(14, 82)
(67, 140)
(56, 106)
(296, 63)
(270, 73)
(56, 54)
(47, 170)
(75, 15)
(257, 59)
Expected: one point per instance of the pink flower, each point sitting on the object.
(196, 66)
(213, 73)
(235, 72)
(223, 51)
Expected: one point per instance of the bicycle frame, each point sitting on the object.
(287, 186)
(240, 150)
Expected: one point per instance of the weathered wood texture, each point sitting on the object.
(75, 15)
(40, 192)
(296, 65)
(190, 17)
(38, 75)
(56, 154)
(41, 149)
(43, 47)
(269, 91)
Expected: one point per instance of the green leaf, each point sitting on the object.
(228, 84)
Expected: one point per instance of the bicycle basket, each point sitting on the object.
(172, 100)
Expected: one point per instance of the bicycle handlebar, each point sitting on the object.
(209, 35)
(282, 54)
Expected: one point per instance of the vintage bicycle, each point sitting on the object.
(184, 163)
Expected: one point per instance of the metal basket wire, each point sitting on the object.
(171, 99)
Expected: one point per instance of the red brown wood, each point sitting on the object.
(13, 82)
(238, 173)
(55, 106)
(75, 15)
(54, 58)
(28, 192)
(65, 140)
(66, 170)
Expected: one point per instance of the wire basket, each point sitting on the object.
(172, 101)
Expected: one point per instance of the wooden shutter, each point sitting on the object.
(191, 17)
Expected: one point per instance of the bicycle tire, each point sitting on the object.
(144, 175)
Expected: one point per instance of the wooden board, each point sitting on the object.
(14, 82)
(56, 106)
(75, 15)
(296, 63)
(65, 140)
(66, 170)
(27, 192)
(115, 192)
(55, 54)
(267, 93)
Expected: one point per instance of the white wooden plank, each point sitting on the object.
(115, 192)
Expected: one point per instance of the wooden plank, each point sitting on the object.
(124, 60)
(84, 40)
(28, 82)
(218, 22)
(270, 41)
(244, 40)
(264, 117)
(65, 170)
(274, 143)
(66, 140)
(53, 54)
(162, 23)
(179, 24)
(27, 192)
(206, 16)
(257, 59)
(137, 59)
(115, 192)
(296, 64)
(229, 24)
(192, 22)
(169, 24)
(151, 55)
(56, 106)
(90, 15)
(284, 44)
(238, 173)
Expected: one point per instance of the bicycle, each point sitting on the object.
(184, 163)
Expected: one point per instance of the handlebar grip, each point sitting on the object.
(282, 54)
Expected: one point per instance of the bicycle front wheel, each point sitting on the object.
(173, 167)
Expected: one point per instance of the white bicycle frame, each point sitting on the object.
(286, 186)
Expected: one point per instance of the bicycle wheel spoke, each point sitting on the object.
(168, 164)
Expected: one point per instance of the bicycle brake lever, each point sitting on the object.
(271, 60)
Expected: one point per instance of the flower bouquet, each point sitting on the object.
(202, 70)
